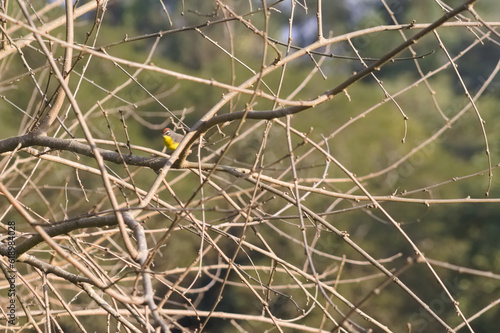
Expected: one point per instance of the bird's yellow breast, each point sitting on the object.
(169, 143)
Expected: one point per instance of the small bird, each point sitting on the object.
(171, 139)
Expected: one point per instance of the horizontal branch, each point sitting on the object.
(155, 163)
(74, 146)
(61, 228)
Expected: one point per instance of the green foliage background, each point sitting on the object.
(460, 234)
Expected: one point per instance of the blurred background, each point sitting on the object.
(409, 133)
